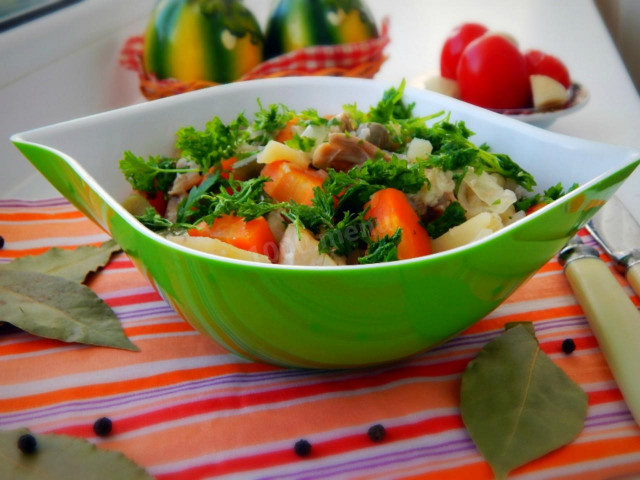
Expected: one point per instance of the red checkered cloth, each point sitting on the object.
(358, 59)
(321, 57)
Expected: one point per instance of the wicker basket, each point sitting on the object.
(361, 59)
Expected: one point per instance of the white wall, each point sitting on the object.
(623, 20)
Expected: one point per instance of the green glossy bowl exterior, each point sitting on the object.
(331, 317)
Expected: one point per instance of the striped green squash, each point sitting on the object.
(213, 40)
(296, 24)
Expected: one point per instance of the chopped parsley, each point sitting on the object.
(215, 143)
(348, 234)
(383, 250)
(301, 143)
(550, 194)
(192, 207)
(452, 216)
(452, 150)
(392, 174)
(151, 175)
(310, 117)
(269, 121)
(157, 223)
(391, 107)
(245, 199)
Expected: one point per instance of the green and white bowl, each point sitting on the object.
(325, 317)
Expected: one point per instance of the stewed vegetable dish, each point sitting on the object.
(354, 187)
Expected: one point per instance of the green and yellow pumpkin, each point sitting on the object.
(295, 24)
(212, 40)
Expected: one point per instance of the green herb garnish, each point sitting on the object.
(269, 121)
(452, 150)
(310, 116)
(348, 234)
(383, 250)
(452, 216)
(215, 143)
(301, 143)
(550, 194)
(191, 206)
(157, 223)
(151, 175)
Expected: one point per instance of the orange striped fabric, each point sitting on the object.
(184, 408)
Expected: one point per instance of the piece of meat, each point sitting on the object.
(342, 152)
(185, 181)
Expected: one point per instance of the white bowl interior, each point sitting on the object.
(97, 142)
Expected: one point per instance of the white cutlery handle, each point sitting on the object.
(633, 277)
(614, 320)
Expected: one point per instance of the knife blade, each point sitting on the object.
(612, 316)
(618, 232)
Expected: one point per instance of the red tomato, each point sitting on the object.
(157, 201)
(391, 211)
(226, 165)
(492, 73)
(540, 63)
(455, 43)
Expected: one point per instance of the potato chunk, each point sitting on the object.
(217, 247)
(276, 151)
(475, 228)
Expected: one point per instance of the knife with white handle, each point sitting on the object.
(612, 316)
(618, 232)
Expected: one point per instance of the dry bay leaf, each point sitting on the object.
(527, 325)
(60, 457)
(70, 264)
(53, 307)
(517, 404)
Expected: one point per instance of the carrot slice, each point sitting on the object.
(287, 132)
(226, 165)
(254, 235)
(391, 211)
(535, 208)
(290, 182)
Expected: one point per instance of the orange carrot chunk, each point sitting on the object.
(391, 211)
(254, 235)
(287, 132)
(535, 208)
(290, 182)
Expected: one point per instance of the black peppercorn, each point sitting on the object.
(27, 443)
(302, 448)
(568, 345)
(1, 241)
(102, 427)
(376, 433)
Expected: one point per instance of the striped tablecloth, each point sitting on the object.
(184, 408)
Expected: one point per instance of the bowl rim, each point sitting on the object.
(21, 139)
(579, 96)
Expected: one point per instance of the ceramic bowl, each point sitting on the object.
(578, 98)
(325, 317)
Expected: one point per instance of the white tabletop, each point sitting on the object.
(81, 75)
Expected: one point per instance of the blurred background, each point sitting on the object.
(622, 18)
(59, 59)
